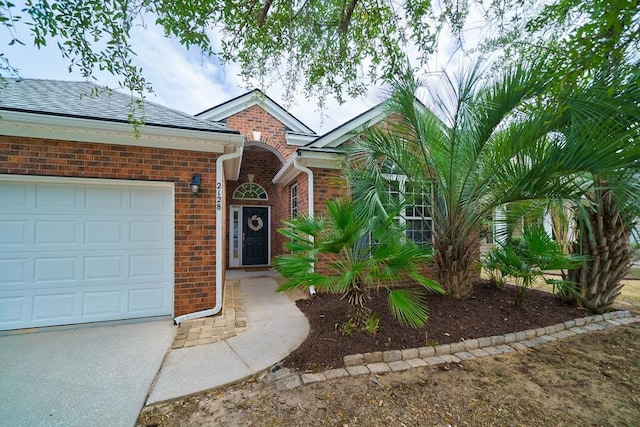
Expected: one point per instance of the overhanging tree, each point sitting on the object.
(322, 46)
(581, 39)
(325, 47)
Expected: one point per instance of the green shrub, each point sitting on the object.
(526, 258)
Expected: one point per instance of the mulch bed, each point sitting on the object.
(489, 312)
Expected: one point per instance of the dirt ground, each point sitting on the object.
(590, 379)
(491, 311)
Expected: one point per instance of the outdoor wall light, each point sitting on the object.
(195, 184)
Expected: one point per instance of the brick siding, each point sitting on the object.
(328, 184)
(273, 132)
(195, 249)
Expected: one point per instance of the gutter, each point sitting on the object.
(310, 192)
(219, 239)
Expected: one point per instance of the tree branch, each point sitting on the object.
(263, 14)
(346, 18)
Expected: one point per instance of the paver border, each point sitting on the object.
(399, 360)
(230, 322)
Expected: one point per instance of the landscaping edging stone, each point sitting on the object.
(380, 362)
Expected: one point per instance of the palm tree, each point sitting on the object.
(604, 223)
(343, 253)
(482, 144)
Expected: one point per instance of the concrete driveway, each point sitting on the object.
(87, 376)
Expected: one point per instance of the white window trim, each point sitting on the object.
(294, 212)
(403, 217)
(235, 261)
(250, 198)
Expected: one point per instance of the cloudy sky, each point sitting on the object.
(187, 82)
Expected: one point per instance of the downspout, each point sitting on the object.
(309, 172)
(219, 239)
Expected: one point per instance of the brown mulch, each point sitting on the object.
(489, 312)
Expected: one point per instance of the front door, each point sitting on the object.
(255, 235)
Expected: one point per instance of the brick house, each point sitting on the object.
(98, 220)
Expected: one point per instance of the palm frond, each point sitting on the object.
(409, 306)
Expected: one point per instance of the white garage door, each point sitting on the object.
(74, 251)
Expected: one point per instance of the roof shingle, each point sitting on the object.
(79, 100)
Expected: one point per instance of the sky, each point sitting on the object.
(187, 82)
(181, 79)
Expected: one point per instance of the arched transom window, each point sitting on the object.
(250, 191)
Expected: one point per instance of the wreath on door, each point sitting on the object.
(255, 223)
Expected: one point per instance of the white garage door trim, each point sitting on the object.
(77, 250)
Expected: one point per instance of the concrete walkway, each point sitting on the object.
(85, 376)
(103, 375)
(275, 327)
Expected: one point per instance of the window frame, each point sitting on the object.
(425, 208)
(293, 199)
(258, 189)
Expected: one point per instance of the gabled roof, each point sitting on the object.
(326, 151)
(249, 99)
(79, 100)
(336, 137)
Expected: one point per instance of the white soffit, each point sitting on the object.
(287, 172)
(300, 139)
(343, 133)
(31, 125)
(313, 159)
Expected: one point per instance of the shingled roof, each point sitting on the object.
(79, 100)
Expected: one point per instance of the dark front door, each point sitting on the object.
(255, 236)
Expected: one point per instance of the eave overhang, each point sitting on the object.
(300, 139)
(321, 159)
(34, 125)
(343, 133)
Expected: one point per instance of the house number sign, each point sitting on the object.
(218, 196)
(255, 223)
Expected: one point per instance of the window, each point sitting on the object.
(294, 200)
(250, 191)
(416, 216)
(235, 228)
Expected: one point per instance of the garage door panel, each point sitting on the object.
(54, 306)
(72, 253)
(17, 197)
(105, 199)
(149, 200)
(49, 232)
(101, 232)
(106, 267)
(148, 300)
(150, 231)
(147, 266)
(103, 303)
(55, 269)
(13, 232)
(12, 309)
(13, 272)
(72, 269)
(57, 198)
